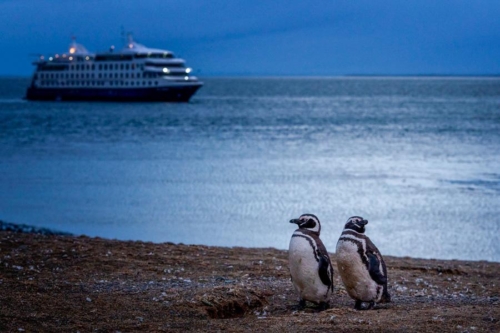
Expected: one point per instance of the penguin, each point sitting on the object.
(361, 265)
(311, 270)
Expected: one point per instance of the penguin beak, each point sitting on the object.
(364, 222)
(296, 221)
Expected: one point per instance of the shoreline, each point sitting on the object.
(77, 283)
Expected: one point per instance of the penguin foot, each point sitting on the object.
(370, 305)
(301, 305)
(359, 305)
(323, 306)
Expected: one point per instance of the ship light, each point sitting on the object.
(72, 50)
(50, 59)
(188, 70)
(130, 46)
(70, 58)
(57, 56)
(186, 78)
(165, 70)
(87, 58)
(64, 55)
(42, 57)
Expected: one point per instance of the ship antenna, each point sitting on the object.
(122, 33)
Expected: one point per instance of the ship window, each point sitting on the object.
(121, 66)
(131, 83)
(133, 66)
(143, 83)
(126, 75)
(156, 83)
(127, 66)
(121, 75)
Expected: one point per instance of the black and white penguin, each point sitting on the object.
(361, 265)
(310, 266)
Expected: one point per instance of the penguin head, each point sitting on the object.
(309, 222)
(356, 223)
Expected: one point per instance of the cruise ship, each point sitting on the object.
(134, 73)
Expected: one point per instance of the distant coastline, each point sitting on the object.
(305, 76)
(29, 229)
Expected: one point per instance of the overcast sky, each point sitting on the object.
(268, 37)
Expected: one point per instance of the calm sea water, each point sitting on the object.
(418, 157)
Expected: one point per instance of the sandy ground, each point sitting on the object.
(52, 283)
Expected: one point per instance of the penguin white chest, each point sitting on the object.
(354, 272)
(303, 263)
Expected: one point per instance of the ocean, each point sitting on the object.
(418, 157)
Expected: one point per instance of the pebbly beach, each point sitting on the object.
(51, 282)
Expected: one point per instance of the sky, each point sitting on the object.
(267, 37)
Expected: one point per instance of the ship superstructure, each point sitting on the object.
(135, 72)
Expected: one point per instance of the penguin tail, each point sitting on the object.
(386, 298)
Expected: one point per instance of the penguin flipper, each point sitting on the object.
(323, 270)
(374, 269)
